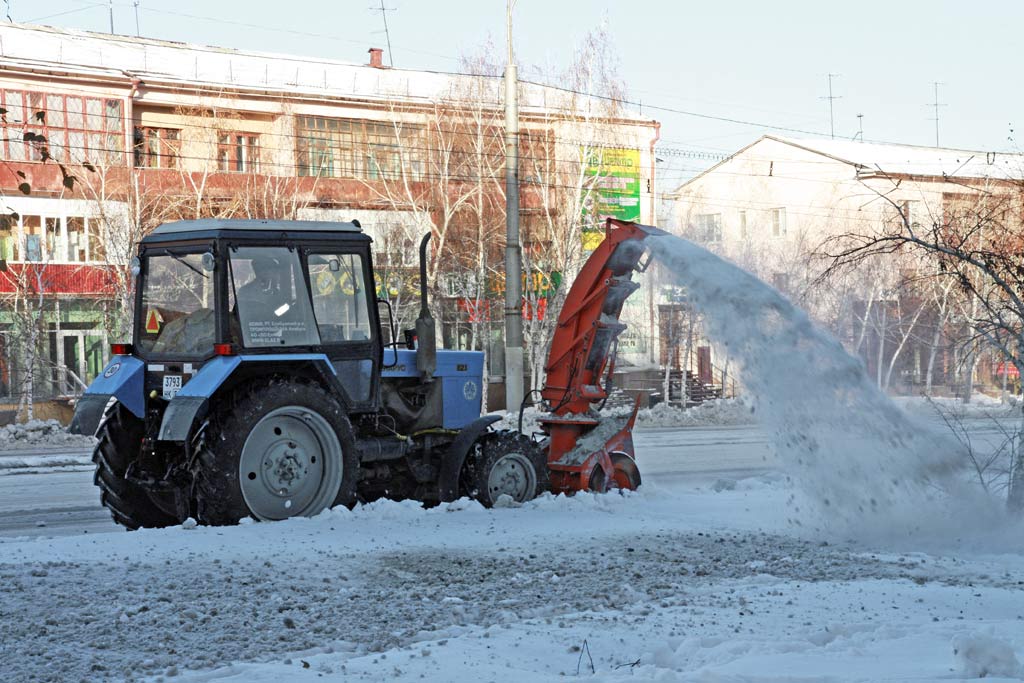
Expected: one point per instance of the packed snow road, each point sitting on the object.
(37, 498)
(710, 572)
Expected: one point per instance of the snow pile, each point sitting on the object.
(722, 412)
(35, 433)
(864, 466)
(979, 407)
(984, 656)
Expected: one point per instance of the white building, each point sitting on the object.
(771, 206)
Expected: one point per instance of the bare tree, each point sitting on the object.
(976, 242)
(564, 173)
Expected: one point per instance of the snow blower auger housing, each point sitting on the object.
(259, 383)
(584, 451)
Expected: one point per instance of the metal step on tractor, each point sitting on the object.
(258, 384)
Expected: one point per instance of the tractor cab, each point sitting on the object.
(224, 291)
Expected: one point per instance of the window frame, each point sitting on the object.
(54, 245)
(369, 294)
(167, 155)
(99, 145)
(362, 149)
(709, 230)
(779, 227)
(230, 143)
(179, 250)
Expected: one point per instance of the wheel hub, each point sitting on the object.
(512, 475)
(291, 464)
(285, 470)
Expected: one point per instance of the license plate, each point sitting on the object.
(172, 385)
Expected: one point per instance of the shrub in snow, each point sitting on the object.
(981, 656)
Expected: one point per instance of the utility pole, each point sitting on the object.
(831, 98)
(513, 254)
(936, 104)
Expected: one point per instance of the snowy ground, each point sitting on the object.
(701, 576)
(837, 540)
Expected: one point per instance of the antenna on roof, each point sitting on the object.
(831, 98)
(387, 35)
(936, 104)
(860, 128)
(110, 9)
(136, 5)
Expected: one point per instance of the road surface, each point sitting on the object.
(63, 501)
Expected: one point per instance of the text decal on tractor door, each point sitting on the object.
(172, 385)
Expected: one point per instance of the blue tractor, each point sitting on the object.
(258, 383)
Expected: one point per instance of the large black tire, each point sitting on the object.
(120, 437)
(250, 411)
(505, 462)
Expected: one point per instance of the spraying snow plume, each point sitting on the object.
(864, 467)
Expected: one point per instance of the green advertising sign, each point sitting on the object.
(614, 192)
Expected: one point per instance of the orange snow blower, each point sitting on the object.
(584, 451)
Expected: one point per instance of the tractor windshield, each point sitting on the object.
(177, 306)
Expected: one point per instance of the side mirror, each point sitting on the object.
(392, 328)
(209, 262)
(135, 266)
(393, 343)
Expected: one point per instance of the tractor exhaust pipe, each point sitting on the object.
(426, 336)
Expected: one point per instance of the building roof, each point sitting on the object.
(872, 158)
(897, 159)
(151, 60)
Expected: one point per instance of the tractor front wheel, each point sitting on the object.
(506, 463)
(278, 450)
(131, 506)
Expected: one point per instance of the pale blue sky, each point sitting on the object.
(757, 61)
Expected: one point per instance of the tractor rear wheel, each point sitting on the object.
(506, 463)
(120, 439)
(277, 450)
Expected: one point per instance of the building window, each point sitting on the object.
(780, 281)
(910, 213)
(709, 227)
(8, 236)
(744, 230)
(157, 147)
(238, 152)
(77, 129)
(778, 222)
(344, 148)
(70, 239)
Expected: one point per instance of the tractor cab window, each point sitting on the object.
(269, 301)
(177, 306)
(339, 297)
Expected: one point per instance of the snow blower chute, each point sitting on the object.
(584, 451)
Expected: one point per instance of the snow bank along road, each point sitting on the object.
(699, 576)
(50, 493)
